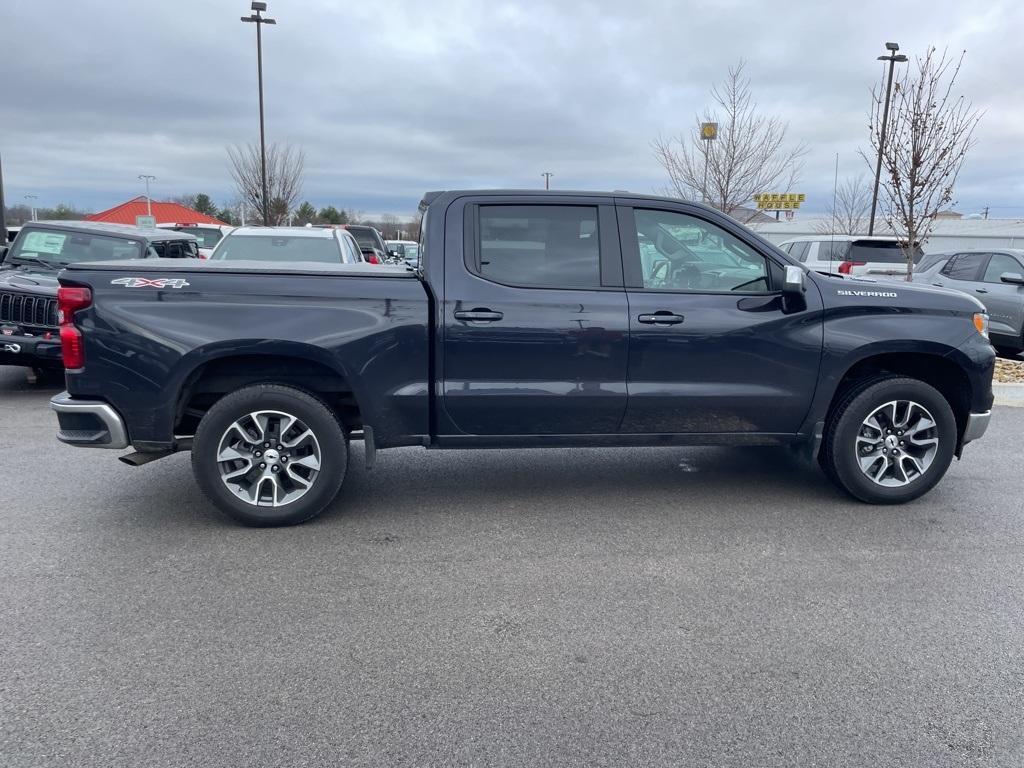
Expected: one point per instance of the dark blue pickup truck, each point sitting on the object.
(536, 319)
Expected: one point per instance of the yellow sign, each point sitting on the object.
(779, 201)
(709, 131)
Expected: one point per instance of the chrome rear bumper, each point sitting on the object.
(88, 423)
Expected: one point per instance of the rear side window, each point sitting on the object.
(833, 251)
(799, 251)
(964, 266)
(998, 264)
(538, 245)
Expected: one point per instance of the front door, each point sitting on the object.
(1004, 301)
(535, 322)
(711, 349)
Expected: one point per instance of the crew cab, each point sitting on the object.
(536, 319)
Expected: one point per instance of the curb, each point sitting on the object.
(1009, 394)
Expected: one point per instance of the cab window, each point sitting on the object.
(998, 264)
(964, 266)
(679, 252)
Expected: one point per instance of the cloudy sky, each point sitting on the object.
(394, 97)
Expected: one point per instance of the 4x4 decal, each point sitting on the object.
(145, 282)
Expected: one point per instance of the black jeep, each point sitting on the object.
(29, 327)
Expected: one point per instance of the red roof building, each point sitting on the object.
(164, 213)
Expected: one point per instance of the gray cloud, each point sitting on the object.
(390, 99)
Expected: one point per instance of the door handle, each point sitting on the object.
(661, 317)
(478, 315)
(980, 290)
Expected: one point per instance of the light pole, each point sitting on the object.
(892, 58)
(148, 178)
(547, 179)
(32, 204)
(258, 8)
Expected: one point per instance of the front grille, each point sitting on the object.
(25, 309)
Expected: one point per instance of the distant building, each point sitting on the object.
(947, 234)
(164, 213)
(949, 214)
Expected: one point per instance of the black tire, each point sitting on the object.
(839, 457)
(321, 421)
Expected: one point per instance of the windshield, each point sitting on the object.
(275, 248)
(207, 237)
(52, 246)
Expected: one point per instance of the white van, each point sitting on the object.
(878, 256)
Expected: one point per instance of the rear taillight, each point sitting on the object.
(847, 266)
(372, 258)
(69, 301)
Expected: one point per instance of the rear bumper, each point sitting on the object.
(977, 424)
(88, 423)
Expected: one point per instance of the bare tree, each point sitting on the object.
(749, 156)
(850, 210)
(285, 166)
(930, 132)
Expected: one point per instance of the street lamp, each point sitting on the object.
(148, 178)
(32, 205)
(257, 9)
(892, 58)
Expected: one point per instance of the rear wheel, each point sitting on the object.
(889, 441)
(270, 454)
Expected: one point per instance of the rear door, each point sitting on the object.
(711, 350)
(535, 317)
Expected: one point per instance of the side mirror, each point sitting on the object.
(793, 290)
(1014, 278)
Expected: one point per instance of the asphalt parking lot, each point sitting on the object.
(568, 607)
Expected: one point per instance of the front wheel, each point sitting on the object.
(270, 454)
(889, 441)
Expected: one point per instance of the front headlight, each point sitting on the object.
(981, 323)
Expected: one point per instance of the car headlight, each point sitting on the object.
(981, 323)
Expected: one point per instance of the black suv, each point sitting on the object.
(29, 328)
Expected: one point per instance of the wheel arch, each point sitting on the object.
(932, 367)
(208, 374)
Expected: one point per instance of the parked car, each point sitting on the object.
(208, 235)
(370, 242)
(536, 320)
(877, 256)
(406, 250)
(29, 333)
(288, 244)
(995, 277)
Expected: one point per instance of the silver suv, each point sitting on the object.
(876, 256)
(995, 277)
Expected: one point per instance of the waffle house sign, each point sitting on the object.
(779, 201)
